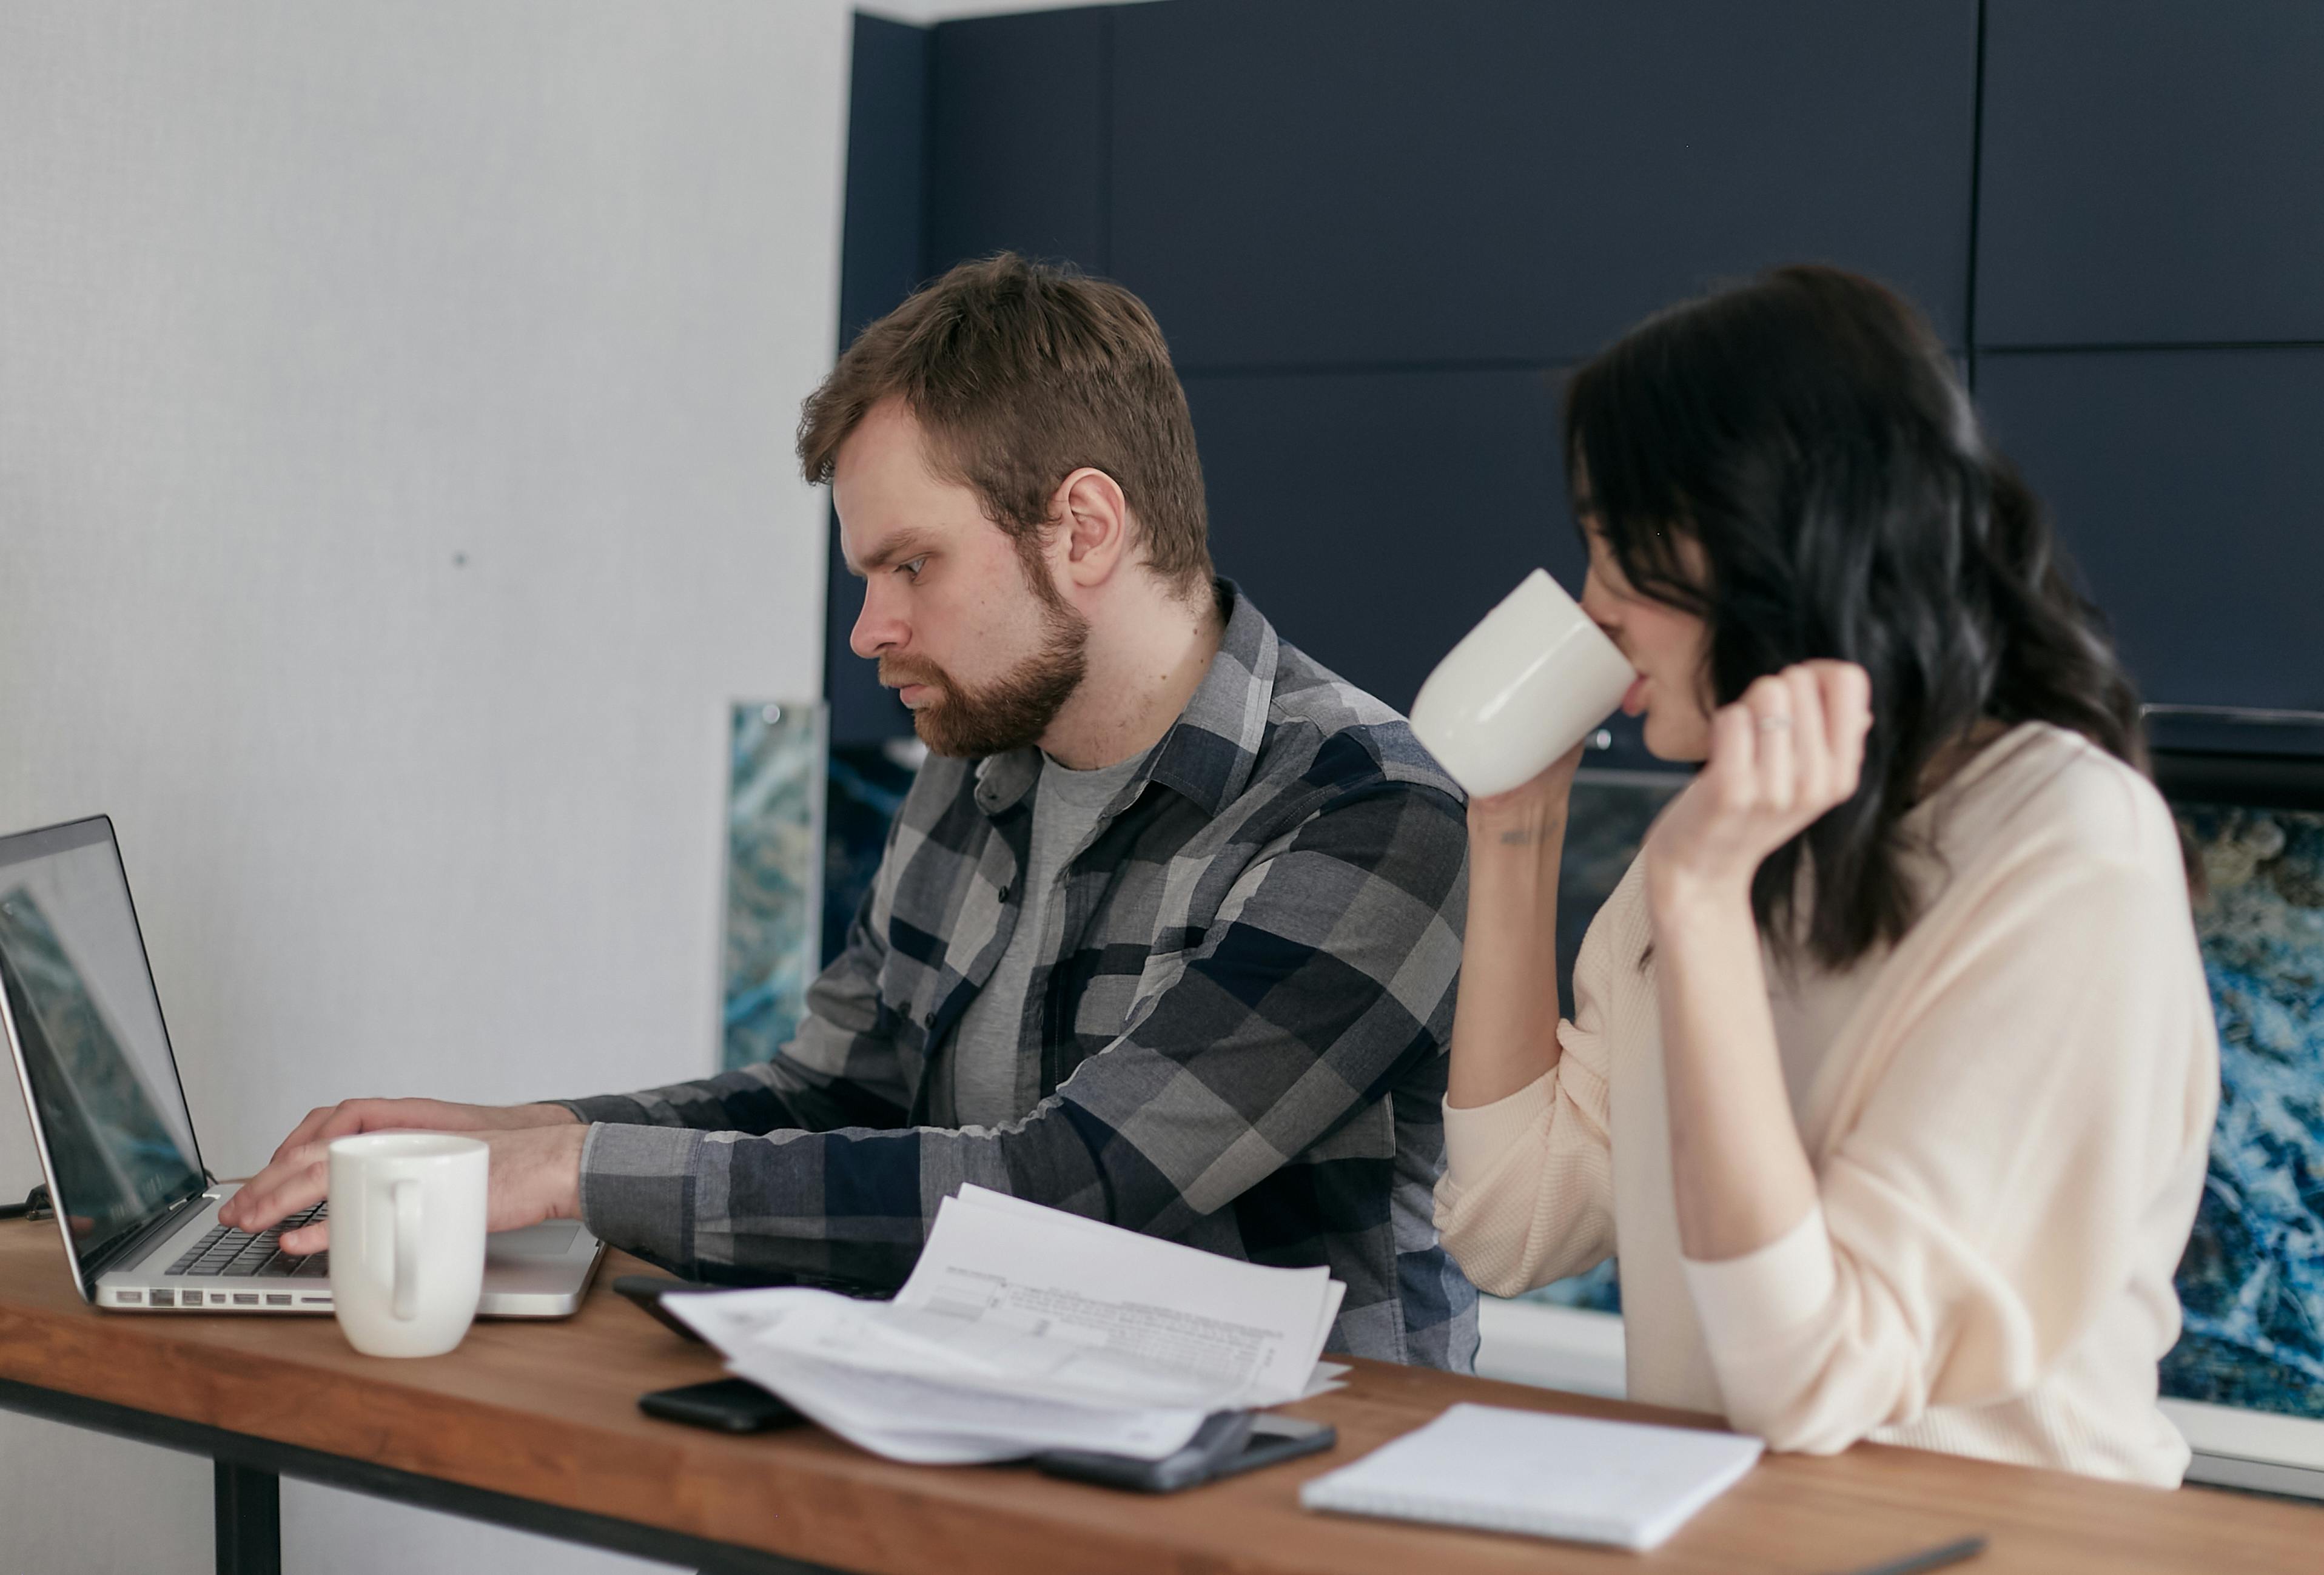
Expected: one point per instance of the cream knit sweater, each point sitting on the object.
(2008, 1125)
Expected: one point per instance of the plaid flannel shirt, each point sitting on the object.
(1243, 1007)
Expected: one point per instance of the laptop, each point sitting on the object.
(138, 1210)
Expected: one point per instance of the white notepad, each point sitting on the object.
(1621, 1482)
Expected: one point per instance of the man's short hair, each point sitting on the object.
(1019, 373)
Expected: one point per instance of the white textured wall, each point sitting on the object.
(395, 406)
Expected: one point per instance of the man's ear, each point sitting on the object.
(1094, 526)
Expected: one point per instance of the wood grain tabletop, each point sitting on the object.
(548, 1411)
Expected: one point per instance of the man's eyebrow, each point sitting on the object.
(904, 544)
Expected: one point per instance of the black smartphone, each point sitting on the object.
(728, 1405)
(1229, 1443)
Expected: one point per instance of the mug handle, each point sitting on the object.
(406, 1194)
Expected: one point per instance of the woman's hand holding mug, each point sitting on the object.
(1531, 815)
(1506, 711)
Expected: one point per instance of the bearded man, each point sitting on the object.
(1166, 932)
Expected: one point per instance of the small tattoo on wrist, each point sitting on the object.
(1522, 837)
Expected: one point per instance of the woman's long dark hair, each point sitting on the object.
(1807, 432)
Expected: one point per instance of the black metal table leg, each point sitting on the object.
(249, 1495)
(249, 1520)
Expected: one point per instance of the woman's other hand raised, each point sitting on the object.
(1788, 750)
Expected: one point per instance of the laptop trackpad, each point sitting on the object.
(550, 1238)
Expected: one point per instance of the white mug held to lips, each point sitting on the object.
(1523, 687)
(407, 1215)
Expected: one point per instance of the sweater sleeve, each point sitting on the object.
(1527, 1194)
(2035, 1144)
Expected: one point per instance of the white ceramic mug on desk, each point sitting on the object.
(1524, 686)
(407, 1240)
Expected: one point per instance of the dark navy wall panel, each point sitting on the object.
(1368, 225)
(883, 256)
(1311, 182)
(1375, 517)
(861, 712)
(883, 251)
(2154, 170)
(2189, 484)
(1017, 144)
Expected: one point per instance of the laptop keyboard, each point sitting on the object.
(240, 1254)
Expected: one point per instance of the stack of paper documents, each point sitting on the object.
(1025, 1328)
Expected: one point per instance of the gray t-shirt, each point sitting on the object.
(995, 1059)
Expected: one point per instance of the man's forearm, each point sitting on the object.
(725, 1206)
(774, 1096)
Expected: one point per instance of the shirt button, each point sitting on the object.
(929, 1020)
(1004, 894)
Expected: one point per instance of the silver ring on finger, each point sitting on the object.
(1774, 724)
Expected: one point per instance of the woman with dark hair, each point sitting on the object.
(1891, 1067)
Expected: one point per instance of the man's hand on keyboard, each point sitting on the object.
(349, 1116)
(536, 1165)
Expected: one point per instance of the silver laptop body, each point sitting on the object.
(136, 1208)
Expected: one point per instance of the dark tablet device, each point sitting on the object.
(728, 1405)
(648, 1290)
(1228, 1443)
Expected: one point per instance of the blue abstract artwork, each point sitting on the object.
(2251, 1285)
(774, 867)
(867, 786)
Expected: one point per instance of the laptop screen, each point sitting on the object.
(86, 1026)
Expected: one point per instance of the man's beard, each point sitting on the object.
(1014, 710)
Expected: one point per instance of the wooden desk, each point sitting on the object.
(536, 1425)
